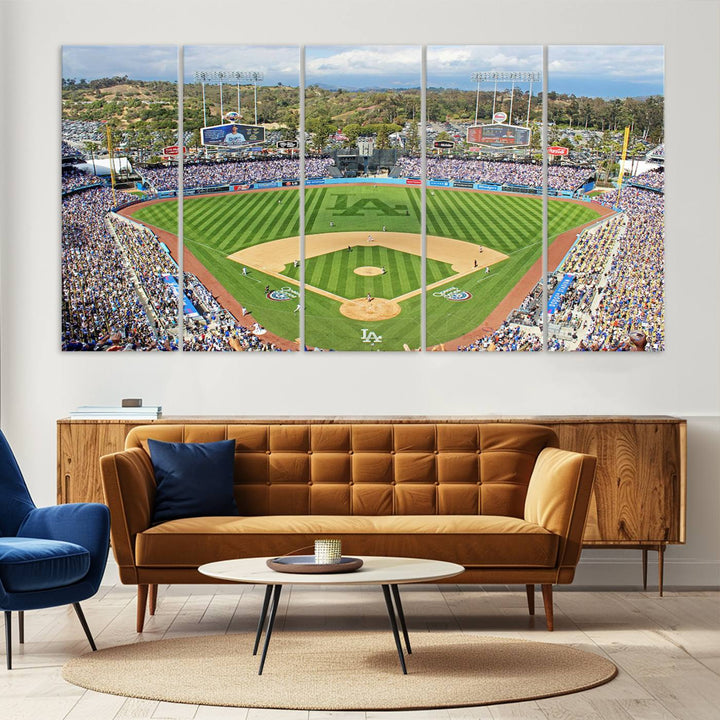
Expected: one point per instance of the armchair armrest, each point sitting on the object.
(85, 524)
(129, 487)
(558, 498)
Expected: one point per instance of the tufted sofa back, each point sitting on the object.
(383, 468)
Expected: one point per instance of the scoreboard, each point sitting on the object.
(499, 135)
(232, 135)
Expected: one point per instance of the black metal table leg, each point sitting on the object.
(393, 624)
(271, 622)
(401, 616)
(263, 615)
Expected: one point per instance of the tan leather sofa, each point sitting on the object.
(500, 499)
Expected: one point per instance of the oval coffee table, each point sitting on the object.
(388, 572)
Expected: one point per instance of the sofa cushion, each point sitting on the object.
(193, 479)
(470, 540)
(31, 564)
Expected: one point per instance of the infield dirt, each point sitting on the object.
(272, 258)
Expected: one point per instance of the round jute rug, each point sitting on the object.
(336, 671)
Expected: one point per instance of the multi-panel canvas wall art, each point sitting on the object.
(363, 198)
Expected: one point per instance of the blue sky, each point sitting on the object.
(595, 70)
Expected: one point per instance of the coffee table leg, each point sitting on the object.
(401, 616)
(393, 624)
(263, 615)
(271, 622)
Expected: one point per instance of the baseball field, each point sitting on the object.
(363, 257)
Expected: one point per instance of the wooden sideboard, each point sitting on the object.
(640, 485)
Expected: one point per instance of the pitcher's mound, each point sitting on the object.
(368, 270)
(375, 309)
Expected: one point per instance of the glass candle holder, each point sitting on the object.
(328, 552)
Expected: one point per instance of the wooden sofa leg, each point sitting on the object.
(141, 605)
(152, 597)
(530, 590)
(547, 594)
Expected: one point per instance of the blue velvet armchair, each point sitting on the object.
(48, 556)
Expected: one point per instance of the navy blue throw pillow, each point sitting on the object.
(193, 479)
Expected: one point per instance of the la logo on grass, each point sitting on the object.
(368, 336)
(371, 205)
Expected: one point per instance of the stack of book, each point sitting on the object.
(116, 412)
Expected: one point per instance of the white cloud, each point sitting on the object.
(611, 61)
(353, 61)
(135, 61)
(455, 59)
(280, 60)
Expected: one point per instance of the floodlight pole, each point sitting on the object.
(476, 77)
(513, 77)
(512, 96)
(202, 77)
(255, 76)
(220, 76)
(527, 122)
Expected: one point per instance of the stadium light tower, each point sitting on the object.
(255, 76)
(202, 77)
(220, 75)
(237, 76)
(512, 77)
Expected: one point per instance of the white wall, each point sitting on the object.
(40, 384)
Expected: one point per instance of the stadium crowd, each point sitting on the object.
(632, 294)
(99, 309)
(497, 173)
(115, 292)
(508, 337)
(617, 290)
(72, 178)
(650, 179)
(240, 172)
(68, 151)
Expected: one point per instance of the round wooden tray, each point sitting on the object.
(307, 564)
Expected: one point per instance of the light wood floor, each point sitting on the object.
(667, 649)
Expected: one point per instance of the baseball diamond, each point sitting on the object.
(363, 257)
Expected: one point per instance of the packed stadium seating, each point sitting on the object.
(497, 173)
(617, 267)
(209, 174)
(115, 296)
(618, 285)
(72, 179)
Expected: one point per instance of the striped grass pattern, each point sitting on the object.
(217, 226)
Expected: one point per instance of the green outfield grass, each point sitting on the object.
(217, 226)
(334, 272)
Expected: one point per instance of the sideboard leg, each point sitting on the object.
(644, 565)
(530, 590)
(152, 598)
(661, 567)
(547, 593)
(141, 605)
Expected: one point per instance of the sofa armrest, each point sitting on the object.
(85, 524)
(558, 499)
(129, 487)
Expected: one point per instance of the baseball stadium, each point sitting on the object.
(361, 254)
